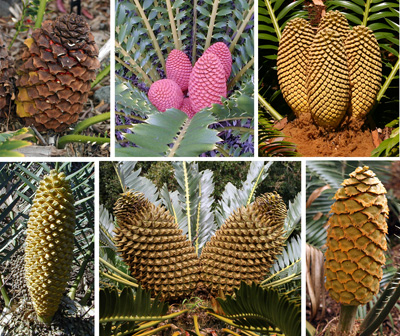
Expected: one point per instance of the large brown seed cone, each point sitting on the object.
(7, 78)
(158, 255)
(356, 239)
(59, 65)
(246, 245)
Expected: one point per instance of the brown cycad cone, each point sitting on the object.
(245, 246)
(158, 255)
(50, 244)
(356, 239)
(7, 74)
(59, 65)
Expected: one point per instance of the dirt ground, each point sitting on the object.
(353, 139)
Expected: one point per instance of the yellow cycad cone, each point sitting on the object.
(246, 245)
(356, 239)
(50, 244)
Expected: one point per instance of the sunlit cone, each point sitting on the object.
(336, 21)
(59, 65)
(7, 74)
(365, 70)
(246, 245)
(293, 64)
(328, 82)
(158, 255)
(50, 244)
(356, 239)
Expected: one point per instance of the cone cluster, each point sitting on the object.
(356, 239)
(327, 74)
(59, 64)
(161, 258)
(200, 86)
(50, 244)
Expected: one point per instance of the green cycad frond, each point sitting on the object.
(261, 310)
(123, 314)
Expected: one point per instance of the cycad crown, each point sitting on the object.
(50, 244)
(356, 239)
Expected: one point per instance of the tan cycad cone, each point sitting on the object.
(356, 242)
(59, 66)
(246, 245)
(150, 242)
(50, 244)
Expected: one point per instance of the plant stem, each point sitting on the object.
(222, 151)
(389, 79)
(172, 23)
(269, 108)
(366, 12)
(4, 293)
(194, 49)
(120, 280)
(103, 73)
(273, 19)
(128, 277)
(241, 29)
(236, 128)
(211, 24)
(187, 196)
(242, 71)
(40, 14)
(91, 121)
(347, 318)
(87, 257)
(80, 138)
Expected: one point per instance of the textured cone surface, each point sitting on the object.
(187, 107)
(165, 94)
(336, 21)
(158, 255)
(328, 82)
(356, 239)
(246, 245)
(221, 50)
(50, 244)
(207, 82)
(7, 74)
(365, 66)
(293, 63)
(178, 68)
(59, 65)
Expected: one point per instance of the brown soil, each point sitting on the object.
(353, 139)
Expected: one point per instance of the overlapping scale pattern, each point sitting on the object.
(50, 244)
(246, 245)
(187, 107)
(336, 21)
(328, 82)
(221, 50)
(356, 239)
(207, 82)
(293, 63)
(338, 70)
(59, 65)
(178, 68)
(158, 255)
(7, 74)
(165, 94)
(365, 69)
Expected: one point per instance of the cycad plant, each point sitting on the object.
(47, 248)
(48, 85)
(156, 39)
(380, 19)
(203, 254)
(366, 293)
